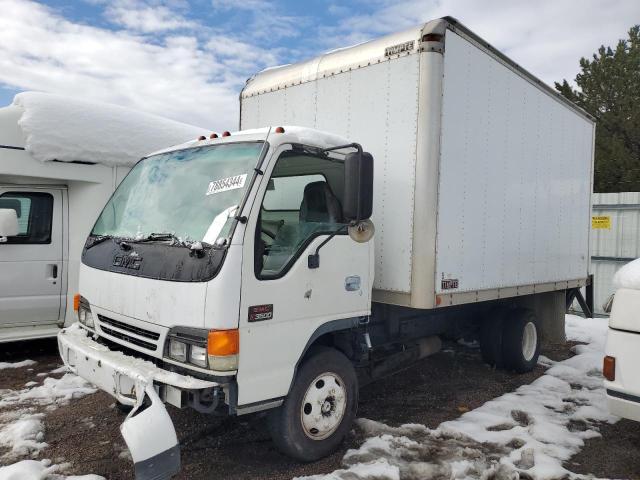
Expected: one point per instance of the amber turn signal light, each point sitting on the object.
(609, 368)
(221, 343)
(76, 302)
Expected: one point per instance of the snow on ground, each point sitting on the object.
(68, 129)
(40, 470)
(24, 363)
(22, 431)
(527, 433)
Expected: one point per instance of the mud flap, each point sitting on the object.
(151, 437)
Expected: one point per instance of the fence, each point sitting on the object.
(615, 239)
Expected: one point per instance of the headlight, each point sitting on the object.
(213, 349)
(85, 316)
(198, 355)
(178, 350)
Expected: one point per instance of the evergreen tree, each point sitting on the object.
(609, 89)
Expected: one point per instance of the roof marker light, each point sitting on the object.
(226, 134)
(213, 135)
(202, 137)
(279, 130)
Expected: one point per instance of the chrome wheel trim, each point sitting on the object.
(529, 341)
(323, 406)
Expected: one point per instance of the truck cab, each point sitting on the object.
(216, 265)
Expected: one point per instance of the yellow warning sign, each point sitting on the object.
(603, 222)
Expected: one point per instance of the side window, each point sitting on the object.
(35, 214)
(285, 193)
(302, 201)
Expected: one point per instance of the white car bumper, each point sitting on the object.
(623, 394)
(148, 432)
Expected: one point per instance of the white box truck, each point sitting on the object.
(60, 160)
(241, 272)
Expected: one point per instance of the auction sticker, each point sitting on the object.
(225, 184)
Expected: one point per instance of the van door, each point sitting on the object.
(31, 265)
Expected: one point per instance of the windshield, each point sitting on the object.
(190, 194)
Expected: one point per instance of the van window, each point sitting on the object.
(35, 215)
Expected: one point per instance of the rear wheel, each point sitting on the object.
(320, 408)
(521, 341)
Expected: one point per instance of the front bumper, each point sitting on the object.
(148, 431)
(623, 404)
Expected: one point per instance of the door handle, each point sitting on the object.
(52, 271)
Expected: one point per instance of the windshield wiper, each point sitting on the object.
(95, 240)
(160, 237)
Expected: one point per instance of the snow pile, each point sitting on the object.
(52, 392)
(528, 433)
(68, 129)
(22, 434)
(22, 429)
(24, 363)
(628, 276)
(40, 470)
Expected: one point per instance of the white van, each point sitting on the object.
(60, 160)
(620, 369)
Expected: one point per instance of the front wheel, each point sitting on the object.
(320, 408)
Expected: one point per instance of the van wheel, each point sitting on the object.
(320, 408)
(521, 341)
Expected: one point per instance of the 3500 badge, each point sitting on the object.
(259, 313)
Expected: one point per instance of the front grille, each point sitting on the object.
(129, 328)
(128, 338)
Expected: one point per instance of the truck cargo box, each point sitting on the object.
(483, 173)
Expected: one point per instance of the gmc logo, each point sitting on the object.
(127, 261)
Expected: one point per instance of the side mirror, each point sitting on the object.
(358, 186)
(8, 223)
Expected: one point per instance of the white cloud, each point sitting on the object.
(145, 17)
(240, 4)
(177, 76)
(264, 19)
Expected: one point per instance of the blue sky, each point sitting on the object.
(188, 60)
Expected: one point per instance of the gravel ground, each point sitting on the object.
(436, 389)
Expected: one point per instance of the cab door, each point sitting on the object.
(284, 301)
(31, 263)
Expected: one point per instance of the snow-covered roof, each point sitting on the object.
(67, 129)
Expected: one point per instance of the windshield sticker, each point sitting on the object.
(225, 184)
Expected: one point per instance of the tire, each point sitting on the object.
(521, 340)
(320, 408)
(491, 338)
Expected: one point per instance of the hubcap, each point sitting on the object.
(323, 406)
(529, 341)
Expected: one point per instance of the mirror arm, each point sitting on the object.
(313, 261)
(357, 146)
